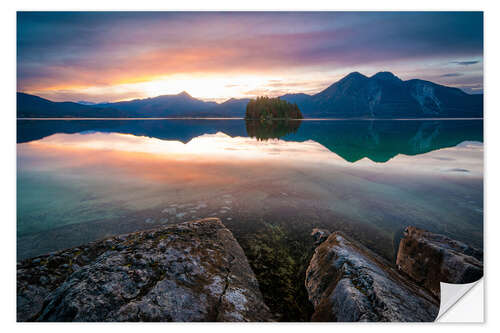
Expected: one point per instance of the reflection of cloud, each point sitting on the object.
(207, 159)
(458, 170)
(443, 158)
(210, 146)
(217, 146)
(218, 159)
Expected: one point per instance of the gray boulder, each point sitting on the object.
(193, 271)
(431, 258)
(347, 282)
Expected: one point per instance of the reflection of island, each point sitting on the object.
(378, 140)
(272, 129)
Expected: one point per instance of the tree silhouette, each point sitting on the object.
(266, 108)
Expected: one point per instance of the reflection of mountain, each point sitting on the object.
(181, 130)
(378, 140)
(381, 140)
(274, 129)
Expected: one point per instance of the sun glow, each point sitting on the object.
(205, 87)
(216, 88)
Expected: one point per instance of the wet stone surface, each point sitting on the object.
(193, 271)
(347, 282)
(431, 258)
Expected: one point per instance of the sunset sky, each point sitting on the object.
(112, 56)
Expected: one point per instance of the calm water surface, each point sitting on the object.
(83, 180)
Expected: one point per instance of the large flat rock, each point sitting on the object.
(431, 258)
(194, 271)
(347, 282)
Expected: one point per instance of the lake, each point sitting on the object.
(270, 183)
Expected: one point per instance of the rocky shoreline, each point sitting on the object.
(348, 282)
(430, 258)
(197, 271)
(193, 271)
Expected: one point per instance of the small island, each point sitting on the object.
(266, 108)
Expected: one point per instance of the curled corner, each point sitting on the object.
(451, 295)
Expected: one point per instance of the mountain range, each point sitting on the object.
(382, 95)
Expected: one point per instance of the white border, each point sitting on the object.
(465, 303)
(8, 127)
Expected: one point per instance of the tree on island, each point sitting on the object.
(266, 108)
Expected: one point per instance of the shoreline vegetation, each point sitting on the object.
(267, 108)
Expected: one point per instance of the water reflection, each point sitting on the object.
(378, 140)
(74, 188)
(381, 140)
(270, 183)
(271, 129)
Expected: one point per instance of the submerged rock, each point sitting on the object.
(347, 282)
(193, 271)
(431, 258)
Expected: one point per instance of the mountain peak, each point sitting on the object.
(87, 103)
(354, 75)
(184, 94)
(386, 76)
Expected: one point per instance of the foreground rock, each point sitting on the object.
(194, 271)
(347, 282)
(430, 258)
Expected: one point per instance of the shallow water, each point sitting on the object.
(270, 184)
(383, 175)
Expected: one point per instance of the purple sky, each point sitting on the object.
(110, 56)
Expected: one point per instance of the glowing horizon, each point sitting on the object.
(215, 56)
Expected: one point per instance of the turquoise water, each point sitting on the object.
(83, 180)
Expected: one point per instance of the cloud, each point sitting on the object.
(75, 51)
(465, 63)
(451, 74)
(93, 97)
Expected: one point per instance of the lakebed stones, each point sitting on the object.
(431, 258)
(347, 282)
(193, 271)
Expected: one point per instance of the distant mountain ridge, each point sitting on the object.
(31, 106)
(382, 95)
(161, 106)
